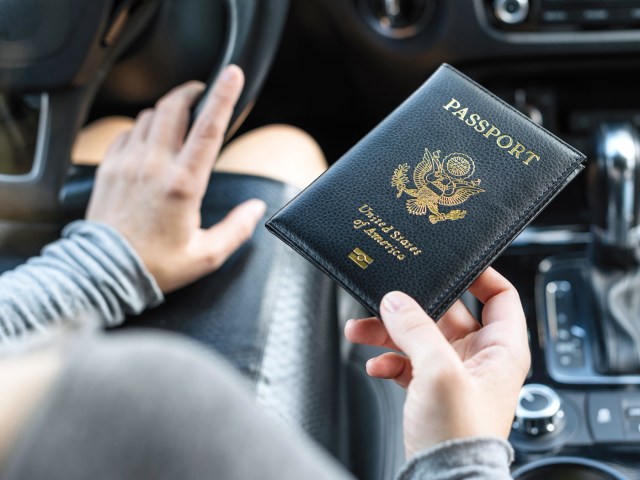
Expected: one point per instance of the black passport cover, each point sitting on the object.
(430, 197)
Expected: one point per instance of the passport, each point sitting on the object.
(430, 197)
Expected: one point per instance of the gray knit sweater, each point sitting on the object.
(93, 273)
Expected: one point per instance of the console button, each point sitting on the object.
(631, 409)
(605, 417)
(633, 412)
(596, 15)
(555, 16)
(569, 349)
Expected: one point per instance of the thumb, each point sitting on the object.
(218, 242)
(412, 329)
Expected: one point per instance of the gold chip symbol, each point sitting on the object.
(360, 258)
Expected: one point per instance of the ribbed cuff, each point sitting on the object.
(475, 458)
(141, 289)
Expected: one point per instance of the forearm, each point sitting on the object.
(461, 459)
(91, 273)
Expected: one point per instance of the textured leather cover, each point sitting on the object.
(430, 197)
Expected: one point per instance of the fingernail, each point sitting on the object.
(395, 301)
(229, 74)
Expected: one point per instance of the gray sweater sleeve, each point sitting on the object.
(90, 273)
(474, 458)
(166, 408)
(142, 405)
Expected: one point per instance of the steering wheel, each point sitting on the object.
(56, 54)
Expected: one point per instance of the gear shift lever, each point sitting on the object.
(615, 279)
(615, 196)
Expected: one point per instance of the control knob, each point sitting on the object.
(539, 411)
(511, 12)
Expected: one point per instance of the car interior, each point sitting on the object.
(336, 68)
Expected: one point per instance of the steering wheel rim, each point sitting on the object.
(45, 195)
(229, 48)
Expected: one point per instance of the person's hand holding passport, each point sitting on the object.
(422, 205)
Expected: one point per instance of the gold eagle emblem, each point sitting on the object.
(438, 184)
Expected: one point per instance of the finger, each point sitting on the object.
(116, 146)
(413, 331)
(171, 117)
(501, 299)
(218, 243)
(457, 322)
(368, 331)
(140, 129)
(392, 366)
(489, 284)
(207, 134)
(503, 311)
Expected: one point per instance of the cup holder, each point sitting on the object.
(566, 468)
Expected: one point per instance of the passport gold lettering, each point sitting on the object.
(371, 216)
(387, 236)
(452, 104)
(501, 141)
(482, 126)
(405, 242)
(532, 156)
(358, 224)
(462, 113)
(472, 120)
(517, 150)
(490, 131)
(388, 246)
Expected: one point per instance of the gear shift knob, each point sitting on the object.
(615, 194)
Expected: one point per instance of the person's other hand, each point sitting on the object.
(152, 180)
(462, 379)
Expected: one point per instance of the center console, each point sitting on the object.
(582, 397)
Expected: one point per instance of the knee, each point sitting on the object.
(281, 152)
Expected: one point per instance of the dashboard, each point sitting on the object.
(348, 63)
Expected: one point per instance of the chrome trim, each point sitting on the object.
(384, 25)
(552, 408)
(511, 18)
(618, 156)
(44, 129)
(552, 319)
